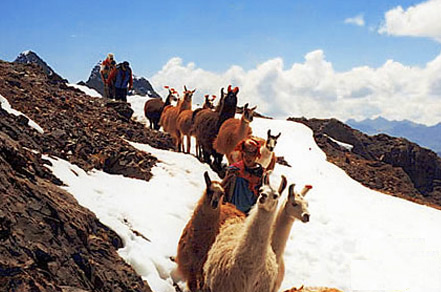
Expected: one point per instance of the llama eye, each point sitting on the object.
(275, 196)
(264, 195)
(295, 204)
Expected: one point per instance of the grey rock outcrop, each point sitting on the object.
(29, 57)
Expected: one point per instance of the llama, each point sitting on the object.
(206, 124)
(153, 108)
(241, 258)
(267, 156)
(184, 123)
(227, 105)
(201, 230)
(170, 115)
(294, 207)
(208, 104)
(232, 132)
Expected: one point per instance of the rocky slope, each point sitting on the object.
(48, 241)
(391, 165)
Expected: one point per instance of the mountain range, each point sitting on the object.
(425, 136)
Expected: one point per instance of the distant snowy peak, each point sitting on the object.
(29, 57)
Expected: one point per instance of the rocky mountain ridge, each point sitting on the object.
(48, 241)
(392, 165)
(425, 136)
(29, 57)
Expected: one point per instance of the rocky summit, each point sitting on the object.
(391, 165)
(48, 241)
(141, 86)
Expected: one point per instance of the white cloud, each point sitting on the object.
(313, 89)
(421, 20)
(356, 20)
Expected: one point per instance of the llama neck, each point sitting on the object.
(265, 156)
(282, 229)
(185, 105)
(243, 128)
(167, 101)
(257, 233)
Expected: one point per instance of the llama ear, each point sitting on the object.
(291, 190)
(229, 88)
(266, 178)
(305, 190)
(245, 106)
(283, 184)
(185, 88)
(222, 92)
(236, 90)
(193, 91)
(277, 137)
(268, 133)
(207, 179)
(254, 108)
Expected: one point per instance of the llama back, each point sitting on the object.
(229, 135)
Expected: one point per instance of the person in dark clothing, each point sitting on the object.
(244, 178)
(121, 77)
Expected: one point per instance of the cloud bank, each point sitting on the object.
(356, 20)
(313, 89)
(421, 20)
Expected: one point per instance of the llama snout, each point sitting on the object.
(305, 217)
(214, 204)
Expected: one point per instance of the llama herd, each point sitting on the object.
(221, 250)
(215, 128)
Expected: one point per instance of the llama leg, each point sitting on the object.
(188, 144)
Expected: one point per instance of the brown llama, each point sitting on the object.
(170, 115)
(184, 123)
(206, 124)
(153, 108)
(294, 207)
(241, 258)
(232, 132)
(200, 232)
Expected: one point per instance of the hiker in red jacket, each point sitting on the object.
(120, 78)
(244, 178)
(106, 67)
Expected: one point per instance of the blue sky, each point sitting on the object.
(72, 36)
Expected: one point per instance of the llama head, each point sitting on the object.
(230, 99)
(268, 197)
(171, 95)
(271, 141)
(214, 191)
(209, 102)
(248, 113)
(296, 206)
(188, 94)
